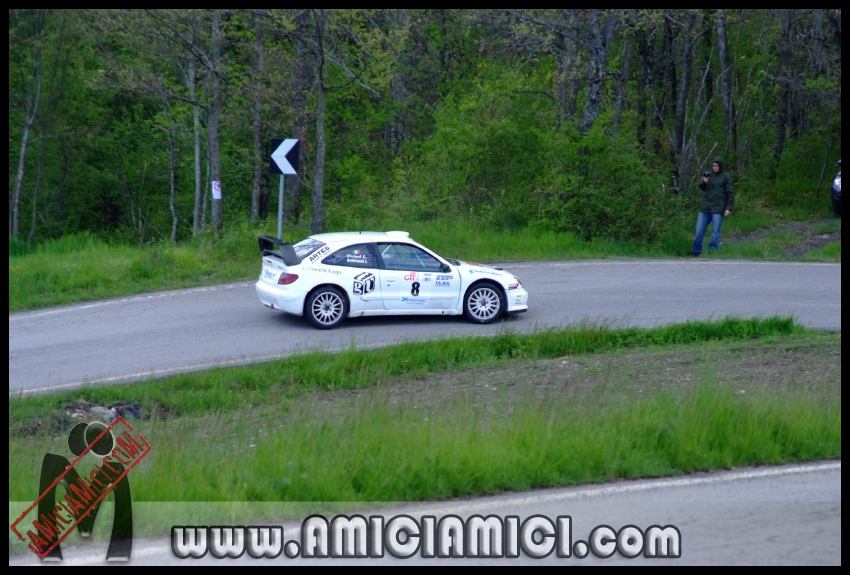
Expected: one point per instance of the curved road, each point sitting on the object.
(133, 338)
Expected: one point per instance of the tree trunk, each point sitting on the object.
(205, 197)
(319, 177)
(644, 86)
(397, 132)
(725, 84)
(785, 91)
(572, 83)
(599, 40)
(257, 76)
(35, 192)
(19, 180)
(214, 115)
(680, 153)
(561, 71)
(172, 155)
(624, 79)
(666, 77)
(303, 75)
(33, 101)
(197, 222)
(57, 197)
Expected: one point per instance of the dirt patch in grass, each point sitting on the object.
(811, 236)
(812, 362)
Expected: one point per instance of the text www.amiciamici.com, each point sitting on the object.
(403, 536)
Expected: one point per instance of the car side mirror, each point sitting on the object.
(445, 268)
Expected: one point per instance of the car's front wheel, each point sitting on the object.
(326, 308)
(484, 303)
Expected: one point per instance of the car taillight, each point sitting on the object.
(286, 279)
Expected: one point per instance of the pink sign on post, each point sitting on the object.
(216, 190)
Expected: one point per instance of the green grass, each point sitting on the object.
(237, 447)
(830, 226)
(83, 267)
(829, 252)
(381, 452)
(771, 247)
(243, 388)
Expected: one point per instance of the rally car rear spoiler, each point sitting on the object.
(270, 246)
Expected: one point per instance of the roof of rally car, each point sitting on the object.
(333, 237)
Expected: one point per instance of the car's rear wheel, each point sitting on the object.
(484, 303)
(326, 308)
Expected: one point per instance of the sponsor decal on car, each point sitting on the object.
(319, 253)
(443, 284)
(413, 300)
(269, 274)
(485, 272)
(445, 277)
(426, 277)
(357, 258)
(363, 283)
(325, 271)
(410, 277)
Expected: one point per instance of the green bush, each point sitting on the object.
(17, 247)
(604, 190)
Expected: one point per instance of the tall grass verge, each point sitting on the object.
(374, 450)
(84, 267)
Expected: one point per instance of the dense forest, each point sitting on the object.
(597, 122)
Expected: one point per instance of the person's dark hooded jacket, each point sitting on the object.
(717, 192)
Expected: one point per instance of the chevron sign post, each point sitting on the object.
(284, 160)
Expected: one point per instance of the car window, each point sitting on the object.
(357, 256)
(398, 256)
(309, 246)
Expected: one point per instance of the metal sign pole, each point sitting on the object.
(284, 160)
(280, 211)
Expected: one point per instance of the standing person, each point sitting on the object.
(717, 201)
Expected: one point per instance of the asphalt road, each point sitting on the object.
(133, 338)
(788, 515)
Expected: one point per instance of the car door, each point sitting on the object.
(357, 267)
(412, 279)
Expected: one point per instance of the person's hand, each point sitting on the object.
(705, 179)
(726, 213)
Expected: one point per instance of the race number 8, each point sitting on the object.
(414, 288)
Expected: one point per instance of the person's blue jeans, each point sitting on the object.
(703, 218)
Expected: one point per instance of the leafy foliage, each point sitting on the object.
(431, 115)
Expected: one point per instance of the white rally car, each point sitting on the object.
(329, 277)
